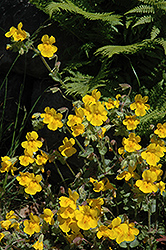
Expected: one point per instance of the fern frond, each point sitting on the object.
(110, 50)
(79, 83)
(142, 9)
(143, 20)
(70, 7)
(162, 42)
(154, 33)
(152, 2)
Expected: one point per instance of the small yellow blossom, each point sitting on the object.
(113, 104)
(102, 185)
(131, 122)
(32, 144)
(86, 217)
(67, 149)
(30, 182)
(96, 203)
(71, 201)
(38, 245)
(68, 224)
(47, 48)
(17, 34)
(26, 159)
(96, 113)
(131, 143)
(132, 232)
(24, 178)
(52, 118)
(153, 153)
(161, 130)
(7, 165)
(161, 186)
(76, 119)
(105, 232)
(147, 184)
(31, 226)
(10, 220)
(34, 186)
(6, 224)
(42, 159)
(10, 215)
(139, 105)
(78, 129)
(1, 236)
(127, 175)
(93, 98)
(101, 132)
(120, 230)
(48, 216)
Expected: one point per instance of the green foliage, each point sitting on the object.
(69, 6)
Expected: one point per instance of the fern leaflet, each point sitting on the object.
(69, 6)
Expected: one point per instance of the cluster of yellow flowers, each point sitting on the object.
(31, 226)
(155, 150)
(72, 217)
(47, 49)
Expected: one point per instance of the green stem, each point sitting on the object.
(78, 143)
(9, 71)
(70, 168)
(3, 111)
(59, 172)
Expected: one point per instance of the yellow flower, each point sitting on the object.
(17, 34)
(147, 184)
(127, 175)
(67, 224)
(32, 144)
(102, 185)
(96, 203)
(131, 144)
(96, 114)
(105, 232)
(113, 104)
(34, 186)
(161, 186)
(6, 224)
(25, 178)
(38, 245)
(119, 229)
(132, 231)
(7, 165)
(76, 119)
(52, 118)
(101, 132)
(161, 130)
(31, 226)
(10, 215)
(30, 182)
(48, 216)
(93, 98)
(1, 236)
(26, 159)
(42, 159)
(71, 201)
(153, 153)
(67, 149)
(10, 220)
(47, 48)
(78, 129)
(139, 105)
(157, 170)
(86, 217)
(131, 122)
